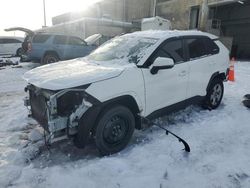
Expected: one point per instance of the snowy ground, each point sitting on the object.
(219, 140)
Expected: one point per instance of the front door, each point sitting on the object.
(79, 47)
(168, 86)
(63, 48)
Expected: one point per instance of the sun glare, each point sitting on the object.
(58, 7)
(29, 13)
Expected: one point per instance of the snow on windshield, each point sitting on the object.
(129, 48)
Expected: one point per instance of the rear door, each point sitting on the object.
(168, 86)
(201, 52)
(39, 45)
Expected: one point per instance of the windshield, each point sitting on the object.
(129, 48)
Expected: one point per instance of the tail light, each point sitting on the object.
(29, 47)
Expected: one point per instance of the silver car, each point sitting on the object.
(10, 45)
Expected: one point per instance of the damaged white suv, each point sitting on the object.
(137, 76)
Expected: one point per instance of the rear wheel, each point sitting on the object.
(114, 129)
(214, 94)
(50, 58)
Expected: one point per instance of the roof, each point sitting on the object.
(160, 34)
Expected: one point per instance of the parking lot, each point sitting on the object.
(219, 141)
(125, 94)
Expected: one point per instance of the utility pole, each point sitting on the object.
(44, 13)
(154, 7)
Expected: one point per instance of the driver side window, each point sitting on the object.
(172, 49)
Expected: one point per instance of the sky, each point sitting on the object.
(29, 13)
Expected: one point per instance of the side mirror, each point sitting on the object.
(161, 63)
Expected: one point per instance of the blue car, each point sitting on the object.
(50, 47)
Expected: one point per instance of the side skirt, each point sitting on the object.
(175, 107)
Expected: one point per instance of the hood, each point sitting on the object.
(28, 31)
(72, 73)
(92, 39)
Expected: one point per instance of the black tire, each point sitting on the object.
(214, 94)
(247, 97)
(115, 127)
(50, 58)
(19, 52)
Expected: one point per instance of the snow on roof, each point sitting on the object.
(153, 19)
(159, 34)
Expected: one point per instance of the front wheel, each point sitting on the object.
(214, 94)
(114, 129)
(19, 52)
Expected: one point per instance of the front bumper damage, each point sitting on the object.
(55, 124)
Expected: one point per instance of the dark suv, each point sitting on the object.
(50, 47)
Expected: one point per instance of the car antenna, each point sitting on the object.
(187, 148)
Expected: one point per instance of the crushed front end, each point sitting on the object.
(58, 112)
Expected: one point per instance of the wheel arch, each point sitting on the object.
(20, 48)
(89, 119)
(51, 52)
(218, 75)
(127, 101)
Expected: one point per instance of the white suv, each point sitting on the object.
(137, 76)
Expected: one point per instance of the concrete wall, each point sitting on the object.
(235, 23)
(177, 11)
(138, 9)
(124, 10)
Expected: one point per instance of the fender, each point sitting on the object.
(214, 75)
(51, 52)
(88, 121)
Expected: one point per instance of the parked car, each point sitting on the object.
(51, 47)
(130, 78)
(11, 45)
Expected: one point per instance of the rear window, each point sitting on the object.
(200, 47)
(40, 38)
(196, 48)
(212, 48)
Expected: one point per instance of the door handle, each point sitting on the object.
(183, 73)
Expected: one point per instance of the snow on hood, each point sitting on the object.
(72, 73)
